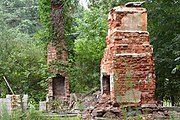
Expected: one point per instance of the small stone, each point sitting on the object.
(134, 113)
(42, 106)
(110, 115)
(115, 110)
(149, 106)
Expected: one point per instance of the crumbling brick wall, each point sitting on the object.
(128, 57)
(13, 102)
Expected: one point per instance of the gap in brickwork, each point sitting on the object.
(106, 84)
(58, 86)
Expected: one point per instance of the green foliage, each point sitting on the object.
(22, 62)
(22, 59)
(20, 14)
(164, 23)
(107, 5)
(44, 9)
(4, 115)
(177, 66)
(88, 47)
(63, 118)
(56, 65)
(34, 114)
(69, 8)
(47, 33)
(31, 114)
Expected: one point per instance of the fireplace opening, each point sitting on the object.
(58, 86)
(106, 84)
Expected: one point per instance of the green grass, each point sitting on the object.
(173, 116)
(4, 115)
(63, 118)
(31, 114)
(167, 103)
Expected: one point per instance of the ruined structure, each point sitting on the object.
(14, 102)
(58, 86)
(127, 68)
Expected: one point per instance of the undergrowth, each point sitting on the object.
(30, 114)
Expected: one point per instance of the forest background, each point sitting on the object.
(25, 31)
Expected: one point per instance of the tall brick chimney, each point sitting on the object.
(58, 86)
(127, 68)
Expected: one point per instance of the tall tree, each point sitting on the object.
(22, 63)
(21, 14)
(22, 59)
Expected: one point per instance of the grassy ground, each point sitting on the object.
(174, 115)
(63, 118)
(33, 114)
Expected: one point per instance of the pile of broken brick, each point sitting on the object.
(104, 108)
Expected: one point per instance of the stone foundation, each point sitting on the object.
(13, 102)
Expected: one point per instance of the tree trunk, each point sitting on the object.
(172, 100)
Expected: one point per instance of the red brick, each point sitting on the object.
(128, 55)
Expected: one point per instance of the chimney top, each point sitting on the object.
(134, 4)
